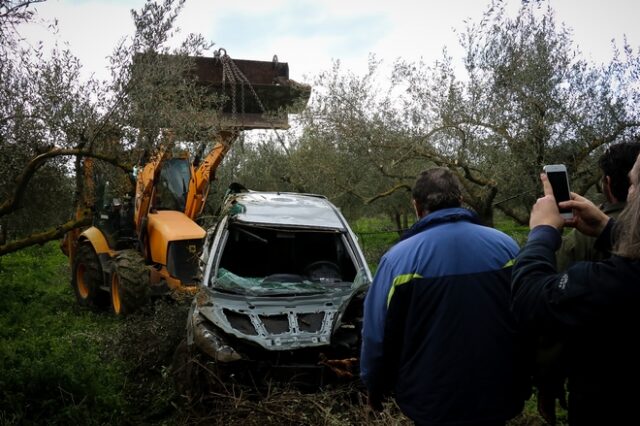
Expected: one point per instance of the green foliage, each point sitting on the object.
(60, 364)
(51, 366)
(376, 235)
(515, 230)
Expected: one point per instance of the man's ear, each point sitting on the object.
(417, 207)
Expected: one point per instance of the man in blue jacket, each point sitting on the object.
(438, 332)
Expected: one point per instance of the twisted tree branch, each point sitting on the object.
(13, 201)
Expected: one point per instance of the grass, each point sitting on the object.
(375, 235)
(51, 368)
(516, 231)
(61, 364)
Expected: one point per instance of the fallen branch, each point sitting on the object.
(43, 237)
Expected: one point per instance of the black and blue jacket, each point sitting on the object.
(438, 330)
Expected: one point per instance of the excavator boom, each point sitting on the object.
(201, 176)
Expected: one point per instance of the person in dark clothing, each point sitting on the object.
(438, 331)
(592, 305)
(550, 375)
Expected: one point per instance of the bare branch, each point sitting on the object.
(13, 201)
(388, 192)
(598, 142)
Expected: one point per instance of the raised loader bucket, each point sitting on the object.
(257, 94)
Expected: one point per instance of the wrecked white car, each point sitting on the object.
(283, 286)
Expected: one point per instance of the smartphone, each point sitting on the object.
(559, 179)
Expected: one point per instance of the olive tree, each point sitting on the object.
(51, 118)
(352, 145)
(528, 99)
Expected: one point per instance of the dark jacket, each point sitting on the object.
(437, 326)
(594, 307)
(577, 247)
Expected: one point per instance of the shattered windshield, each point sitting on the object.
(231, 282)
(361, 280)
(284, 284)
(256, 259)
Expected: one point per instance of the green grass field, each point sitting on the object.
(51, 364)
(62, 364)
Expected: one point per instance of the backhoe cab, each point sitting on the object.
(150, 244)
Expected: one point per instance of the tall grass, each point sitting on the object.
(51, 368)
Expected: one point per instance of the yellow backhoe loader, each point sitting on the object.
(150, 244)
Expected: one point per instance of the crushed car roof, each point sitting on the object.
(284, 208)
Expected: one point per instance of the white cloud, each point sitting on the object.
(257, 29)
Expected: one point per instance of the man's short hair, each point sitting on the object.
(436, 189)
(616, 163)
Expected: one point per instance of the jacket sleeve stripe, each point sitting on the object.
(399, 280)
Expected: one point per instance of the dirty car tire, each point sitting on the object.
(87, 278)
(129, 283)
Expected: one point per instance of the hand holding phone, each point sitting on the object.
(559, 179)
(545, 210)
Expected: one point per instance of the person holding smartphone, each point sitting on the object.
(615, 165)
(593, 306)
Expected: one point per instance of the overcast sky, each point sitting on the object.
(309, 34)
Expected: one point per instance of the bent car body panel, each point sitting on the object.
(276, 323)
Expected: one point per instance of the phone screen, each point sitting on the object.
(560, 185)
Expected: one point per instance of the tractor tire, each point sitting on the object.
(87, 278)
(129, 283)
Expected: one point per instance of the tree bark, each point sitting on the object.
(43, 237)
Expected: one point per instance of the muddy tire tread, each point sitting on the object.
(134, 280)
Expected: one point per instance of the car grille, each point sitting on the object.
(276, 324)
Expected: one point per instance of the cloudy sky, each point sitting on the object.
(309, 34)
